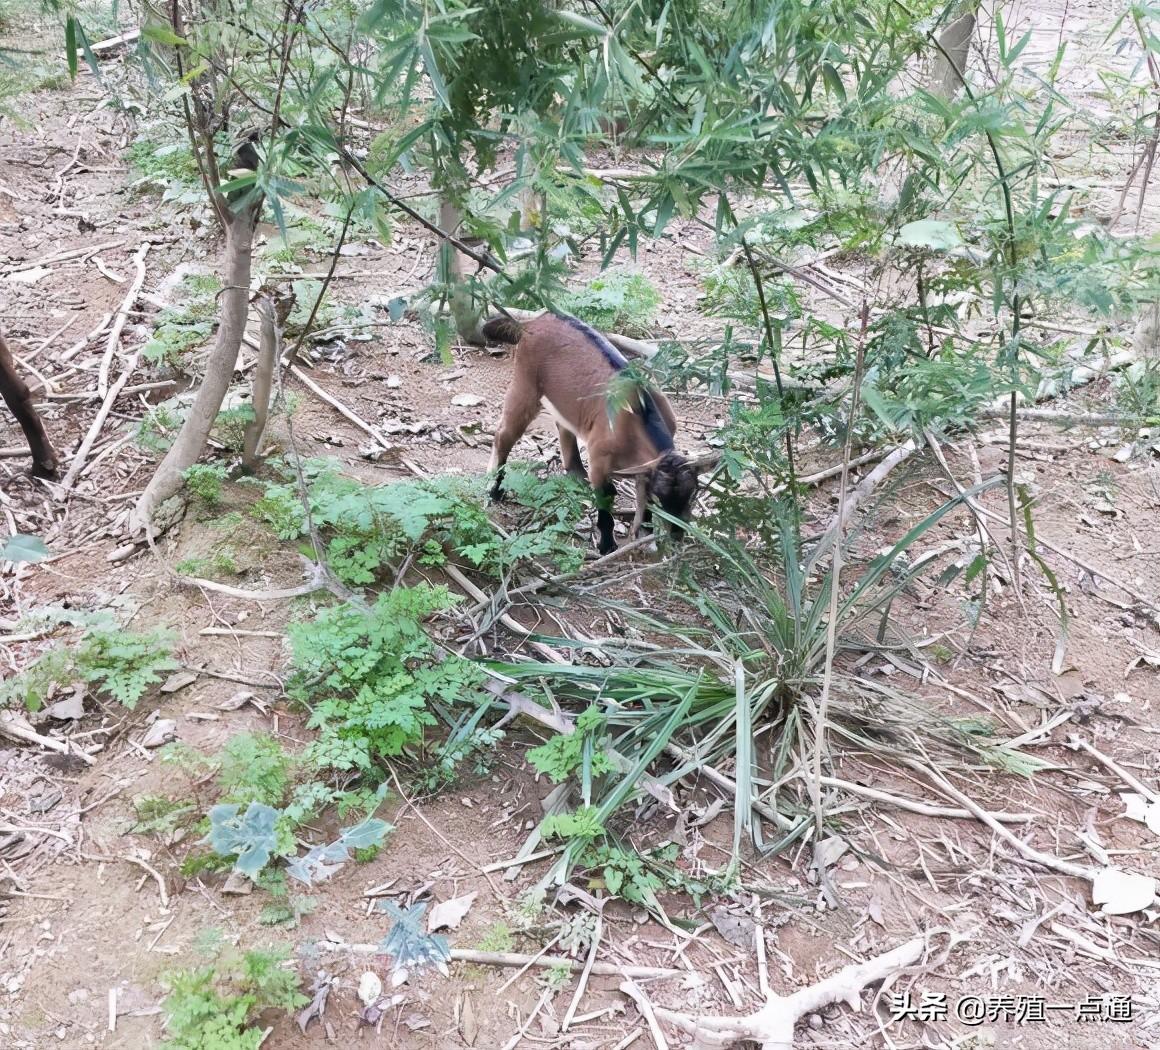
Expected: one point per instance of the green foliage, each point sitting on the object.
(215, 1007)
(204, 482)
(161, 816)
(230, 426)
(254, 768)
(23, 549)
(167, 166)
(616, 301)
(119, 664)
(497, 938)
(158, 428)
(288, 912)
(369, 529)
(185, 325)
(219, 563)
(371, 676)
(565, 754)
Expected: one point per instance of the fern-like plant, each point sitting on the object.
(370, 677)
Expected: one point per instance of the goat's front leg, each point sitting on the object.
(600, 478)
(520, 407)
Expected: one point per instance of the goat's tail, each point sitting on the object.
(503, 330)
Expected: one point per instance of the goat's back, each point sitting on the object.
(573, 368)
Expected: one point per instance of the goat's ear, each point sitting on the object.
(703, 464)
(632, 472)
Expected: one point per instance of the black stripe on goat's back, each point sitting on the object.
(654, 422)
(613, 356)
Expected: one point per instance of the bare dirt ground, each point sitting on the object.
(96, 914)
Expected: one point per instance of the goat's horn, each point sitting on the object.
(703, 463)
(632, 472)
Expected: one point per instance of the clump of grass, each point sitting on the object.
(752, 651)
(616, 301)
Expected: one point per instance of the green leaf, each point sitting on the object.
(160, 33)
(833, 81)
(21, 548)
(70, 45)
(930, 233)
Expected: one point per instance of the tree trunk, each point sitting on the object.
(19, 400)
(464, 311)
(219, 372)
(263, 383)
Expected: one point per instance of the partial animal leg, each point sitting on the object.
(520, 407)
(600, 478)
(643, 519)
(19, 400)
(570, 452)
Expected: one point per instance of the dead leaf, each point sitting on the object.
(30, 276)
(238, 885)
(239, 700)
(71, 708)
(1147, 659)
(1122, 892)
(828, 851)
(160, 732)
(466, 400)
(736, 929)
(449, 914)
(178, 680)
(874, 910)
(317, 1006)
(1137, 807)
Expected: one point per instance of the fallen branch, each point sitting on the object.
(1046, 860)
(82, 453)
(772, 1026)
(548, 962)
(342, 409)
(253, 596)
(864, 488)
(13, 726)
(58, 257)
(144, 865)
(120, 318)
(925, 809)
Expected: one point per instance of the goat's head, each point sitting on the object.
(673, 484)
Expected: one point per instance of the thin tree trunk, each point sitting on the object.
(263, 382)
(463, 310)
(19, 400)
(219, 372)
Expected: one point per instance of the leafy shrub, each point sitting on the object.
(370, 675)
(370, 528)
(563, 754)
(121, 664)
(157, 430)
(254, 768)
(213, 1007)
(204, 481)
(616, 301)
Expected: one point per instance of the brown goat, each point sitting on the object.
(19, 400)
(569, 368)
